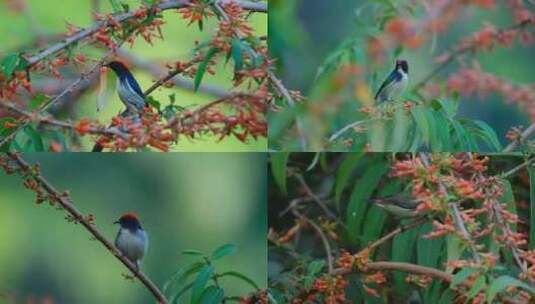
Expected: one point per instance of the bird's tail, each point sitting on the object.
(97, 148)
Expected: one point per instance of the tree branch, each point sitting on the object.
(400, 266)
(65, 201)
(172, 4)
(160, 73)
(459, 51)
(455, 212)
(527, 133)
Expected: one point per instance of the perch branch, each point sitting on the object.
(400, 266)
(527, 133)
(65, 201)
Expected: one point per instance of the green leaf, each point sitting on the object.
(200, 282)
(448, 296)
(343, 173)
(503, 282)
(181, 275)
(461, 135)
(362, 191)
(315, 267)
(443, 131)
(202, 67)
(450, 107)
(34, 142)
(37, 100)
(429, 251)
(376, 216)
(418, 113)
(489, 135)
(6, 131)
(279, 160)
(212, 295)
(237, 54)
(462, 275)
(115, 6)
(240, 276)
(403, 246)
(531, 171)
(192, 252)
(9, 63)
(223, 251)
(478, 285)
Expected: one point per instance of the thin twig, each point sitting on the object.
(497, 212)
(344, 129)
(394, 232)
(461, 228)
(315, 197)
(67, 204)
(324, 240)
(459, 51)
(525, 134)
(178, 81)
(400, 266)
(112, 131)
(277, 83)
(46, 105)
(518, 168)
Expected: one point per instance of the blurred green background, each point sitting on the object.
(50, 18)
(184, 201)
(303, 33)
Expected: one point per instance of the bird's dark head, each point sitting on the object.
(129, 221)
(118, 67)
(403, 65)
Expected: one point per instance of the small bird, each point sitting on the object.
(128, 88)
(395, 83)
(131, 240)
(129, 92)
(399, 206)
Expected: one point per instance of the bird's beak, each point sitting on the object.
(116, 222)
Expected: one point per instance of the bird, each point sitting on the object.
(395, 83)
(400, 206)
(128, 88)
(132, 241)
(129, 93)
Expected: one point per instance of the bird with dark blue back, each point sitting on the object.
(129, 92)
(395, 83)
(128, 88)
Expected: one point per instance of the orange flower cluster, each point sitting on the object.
(260, 297)
(411, 34)
(332, 289)
(196, 11)
(470, 81)
(9, 85)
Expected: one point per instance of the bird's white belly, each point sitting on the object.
(128, 96)
(398, 87)
(132, 245)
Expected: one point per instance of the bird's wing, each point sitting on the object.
(134, 85)
(391, 78)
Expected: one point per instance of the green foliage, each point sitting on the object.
(201, 279)
(12, 63)
(335, 97)
(346, 187)
(278, 168)
(203, 65)
(531, 171)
